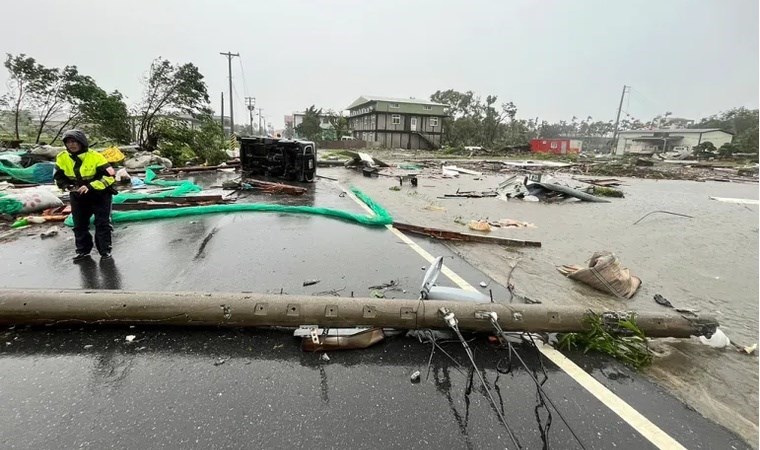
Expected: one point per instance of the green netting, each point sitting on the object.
(40, 173)
(379, 218)
(181, 188)
(9, 205)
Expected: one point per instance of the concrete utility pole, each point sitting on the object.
(39, 307)
(222, 113)
(617, 120)
(251, 103)
(229, 70)
(260, 122)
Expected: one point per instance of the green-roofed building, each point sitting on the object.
(405, 123)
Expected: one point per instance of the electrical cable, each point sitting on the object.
(502, 335)
(452, 322)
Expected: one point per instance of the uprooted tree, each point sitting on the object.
(170, 90)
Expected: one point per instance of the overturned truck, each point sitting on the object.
(292, 160)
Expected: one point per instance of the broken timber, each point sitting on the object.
(67, 307)
(275, 188)
(456, 236)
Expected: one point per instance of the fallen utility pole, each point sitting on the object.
(457, 236)
(67, 307)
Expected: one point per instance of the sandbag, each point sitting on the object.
(604, 273)
(143, 160)
(24, 201)
(47, 151)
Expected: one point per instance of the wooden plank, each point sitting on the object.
(467, 237)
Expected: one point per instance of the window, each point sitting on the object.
(394, 105)
(433, 121)
(395, 119)
(554, 145)
(427, 108)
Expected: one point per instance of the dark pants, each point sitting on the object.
(83, 207)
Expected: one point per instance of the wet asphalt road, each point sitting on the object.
(215, 388)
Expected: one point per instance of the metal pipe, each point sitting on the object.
(256, 310)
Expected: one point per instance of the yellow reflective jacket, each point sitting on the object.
(88, 168)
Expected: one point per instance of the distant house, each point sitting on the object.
(397, 122)
(666, 139)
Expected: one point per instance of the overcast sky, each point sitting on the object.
(553, 59)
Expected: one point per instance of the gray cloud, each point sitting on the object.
(554, 59)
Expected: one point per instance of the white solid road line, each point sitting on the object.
(635, 419)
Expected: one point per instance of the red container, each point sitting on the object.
(556, 146)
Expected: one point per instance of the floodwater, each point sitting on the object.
(708, 262)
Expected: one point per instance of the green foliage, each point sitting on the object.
(601, 191)
(628, 346)
(339, 124)
(28, 81)
(181, 143)
(727, 150)
(170, 89)
(742, 122)
(310, 128)
(64, 97)
(705, 150)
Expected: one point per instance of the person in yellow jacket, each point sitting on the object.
(89, 179)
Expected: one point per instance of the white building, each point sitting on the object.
(666, 139)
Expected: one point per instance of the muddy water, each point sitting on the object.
(709, 262)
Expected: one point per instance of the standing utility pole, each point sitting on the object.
(260, 130)
(617, 120)
(229, 70)
(251, 102)
(222, 113)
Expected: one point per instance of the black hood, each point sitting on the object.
(78, 136)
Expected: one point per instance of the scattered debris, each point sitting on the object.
(662, 212)
(324, 357)
(740, 201)
(536, 186)
(717, 340)
(662, 301)
(479, 225)
(52, 231)
(456, 169)
(471, 194)
(604, 273)
(483, 284)
(415, 378)
(435, 208)
(394, 188)
(220, 361)
(311, 282)
(130, 338)
(390, 284)
(510, 223)
(315, 339)
(456, 236)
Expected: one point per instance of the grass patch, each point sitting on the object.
(624, 340)
(600, 191)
